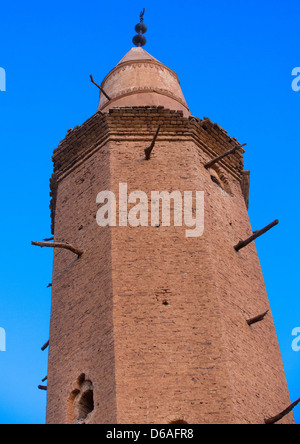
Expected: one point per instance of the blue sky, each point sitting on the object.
(234, 60)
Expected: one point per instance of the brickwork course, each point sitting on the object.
(149, 326)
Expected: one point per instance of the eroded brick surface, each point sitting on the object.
(157, 321)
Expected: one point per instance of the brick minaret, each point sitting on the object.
(149, 326)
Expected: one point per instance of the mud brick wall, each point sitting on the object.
(155, 320)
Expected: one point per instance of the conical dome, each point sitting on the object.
(141, 80)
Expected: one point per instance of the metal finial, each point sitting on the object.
(142, 15)
(139, 40)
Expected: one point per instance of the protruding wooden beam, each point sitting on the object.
(217, 159)
(45, 346)
(49, 285)
(45, 379)
(48, 239)
(42, 387)
(58, 245)
(258, 318)
(256, 234)
(148, 150)
(282, 414)
(100, 87)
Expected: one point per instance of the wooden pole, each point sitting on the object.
(257, 318)
(100, 87)
(58, 245)
(282, 414)
(45, 379)
(148, 150)
(45, 346)
(42, 387)
(217, 159)
(257, 234)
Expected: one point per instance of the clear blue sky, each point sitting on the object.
(234, 59)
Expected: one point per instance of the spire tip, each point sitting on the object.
(139, 39)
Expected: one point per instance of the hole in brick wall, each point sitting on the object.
(81, 379)
(219, 179)
(165, 302)
(85, 405)
(81, 402)
(178, 421)
(80, 181)
(215, 180)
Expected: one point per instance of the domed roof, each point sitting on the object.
(141, 80)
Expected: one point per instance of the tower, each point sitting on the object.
(149, 325)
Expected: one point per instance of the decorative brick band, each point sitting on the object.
(139, 124)
(152, 64)
(145, 89)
